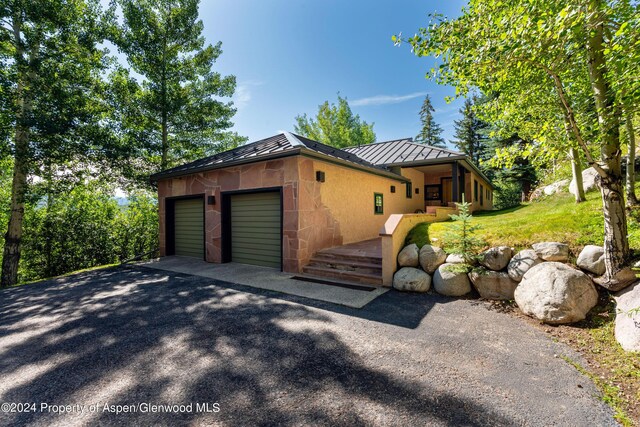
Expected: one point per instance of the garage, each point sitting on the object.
(189, 227)
(255, 228)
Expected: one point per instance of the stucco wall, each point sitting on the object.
(348, 195)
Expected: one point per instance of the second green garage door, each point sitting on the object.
(256, 236)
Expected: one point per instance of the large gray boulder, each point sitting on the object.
(552, 251)
(451, 283)
(591, 259)
(619, 281)
(409, 256)
(589, 181)
(493, 285)
(556, 293)
(455, 259)
(431, 257)
(496, 258)
(521, 263)
(412, 280)
(556, 187)
(627, 328)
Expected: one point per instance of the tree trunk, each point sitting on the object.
(13, 237)
(616, 245)
(632, 200)
(576, 170)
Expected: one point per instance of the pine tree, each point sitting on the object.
(470, 132)
(178, 113)
(430, 132)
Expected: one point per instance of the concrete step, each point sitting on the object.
(347, 276)
(337, 256)
(347, 265)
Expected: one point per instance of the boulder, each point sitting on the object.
(591, 259)
(431, 257)
(494, 285)
(521, 263)
(589, 181)
(409, 256)
(455, 259)
(556, 293)
(627, 328)
(451, 283)
(556, 187)
(496, 258)
(620, 280)
(412, 280)
(552, 251)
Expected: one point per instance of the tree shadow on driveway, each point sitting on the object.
(124, 336)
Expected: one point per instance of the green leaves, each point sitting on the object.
(335, 125)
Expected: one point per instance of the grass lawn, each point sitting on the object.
(559, 218)
(556, 219)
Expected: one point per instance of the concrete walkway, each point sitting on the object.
(266, 278)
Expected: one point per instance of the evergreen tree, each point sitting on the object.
(430, 132)
(470, 132)
(176, 115)
(336, 125)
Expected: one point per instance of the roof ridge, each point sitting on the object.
(346, 153)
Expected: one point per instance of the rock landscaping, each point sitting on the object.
(540, 280)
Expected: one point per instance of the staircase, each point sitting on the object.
(358, 263)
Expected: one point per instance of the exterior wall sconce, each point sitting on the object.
(393, 188)
(417, 190)
(319, 176)
(211, 200)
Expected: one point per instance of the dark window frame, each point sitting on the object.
(409, 190)
(375, 204)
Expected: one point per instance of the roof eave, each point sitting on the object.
(434, 162)
(162, 175)
(374, 170)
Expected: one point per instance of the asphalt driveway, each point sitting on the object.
(121, 339)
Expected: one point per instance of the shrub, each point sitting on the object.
(507, 194)
(460, 238)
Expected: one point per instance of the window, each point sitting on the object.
(432, 192)
(475, 190)
(409, 190)
(481, 195)
(377, 204)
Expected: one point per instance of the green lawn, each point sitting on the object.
(556, 218)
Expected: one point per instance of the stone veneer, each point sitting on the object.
(308, 225)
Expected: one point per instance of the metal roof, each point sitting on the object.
(403, 151)
(281, 145)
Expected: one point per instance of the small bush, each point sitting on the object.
(507, 194)
(418, 235)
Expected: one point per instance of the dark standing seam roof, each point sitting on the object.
(275, 146)
(401, 151)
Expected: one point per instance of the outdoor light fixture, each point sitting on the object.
(417, 190)
(393, 188)
(211, 200)
(319, 176)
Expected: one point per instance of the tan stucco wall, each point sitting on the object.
(348, 195)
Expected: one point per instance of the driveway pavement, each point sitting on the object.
(130, 338)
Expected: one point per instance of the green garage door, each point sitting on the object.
(255, 229)
(189, 228)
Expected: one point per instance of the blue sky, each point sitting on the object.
(289, 56)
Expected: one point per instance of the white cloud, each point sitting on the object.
(242, 95)
(386, 99)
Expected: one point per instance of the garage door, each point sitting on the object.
(255, 229)
(189, 228)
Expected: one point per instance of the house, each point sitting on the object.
(278, 201)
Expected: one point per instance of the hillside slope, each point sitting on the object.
(555, 218)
